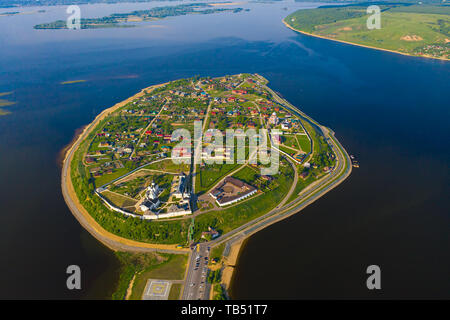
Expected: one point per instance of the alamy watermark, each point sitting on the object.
(73, 22)
(374, 20)
(74, 279)
(374, 280)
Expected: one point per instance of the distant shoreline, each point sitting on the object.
(359, 45)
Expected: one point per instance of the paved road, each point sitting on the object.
(195, 287)
(340, 173)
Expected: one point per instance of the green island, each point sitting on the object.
(125, 20)
(147, 176)
(5, 103)
(72, 82)
(421, 30)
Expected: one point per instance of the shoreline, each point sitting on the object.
(229, 264)
(360, 45)
(237, 248)
(117, 243)
(107, 238)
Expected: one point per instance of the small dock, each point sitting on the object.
(355, 162)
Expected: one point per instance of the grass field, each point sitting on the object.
(175, 291)
(290, 141)
(208, 176)
(168, 166)
(246, 174)
(304, 142)
(104, 179)
(118, 200)
(172, 269)
(216, 252)
(411, 29)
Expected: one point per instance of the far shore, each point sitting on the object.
(360, 45)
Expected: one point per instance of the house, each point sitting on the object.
(210, 234)
(304, 174)
(286, 125)
(104, 144)
(89, 160)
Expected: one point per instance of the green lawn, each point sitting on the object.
(175, 291)
(106, 178)
(290, 141)
(172, 269)
(118, 200)
(247, 174)
(169, 166)
(217, 252)
(305, 144)
(208, 176)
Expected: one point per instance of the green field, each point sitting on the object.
(172, 269)
(246, 174)
(208, 176)
(118, 200)
(175, 291)
(168, 166)
(411, 29)
(304, 142)
(106, 178)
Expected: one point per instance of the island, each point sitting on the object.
(5, 103)
(153, 174)
(421, 30)
(125, 20)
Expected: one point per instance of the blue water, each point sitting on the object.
(391, 111)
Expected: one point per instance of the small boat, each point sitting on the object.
(354, 162)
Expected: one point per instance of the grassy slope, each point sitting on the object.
(349, 24)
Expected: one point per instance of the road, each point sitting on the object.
(342, 170)
(196, 286)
